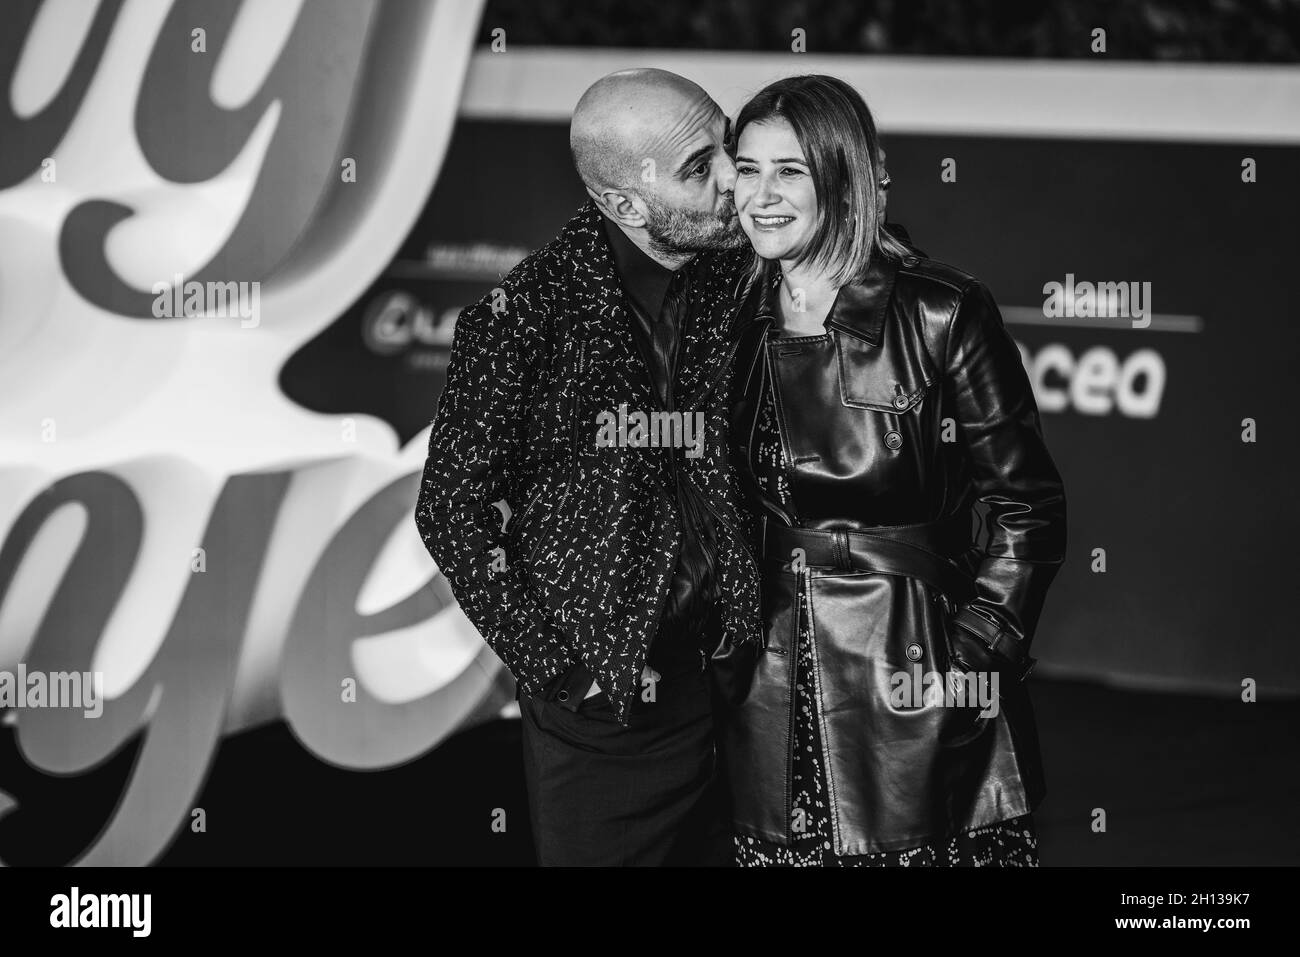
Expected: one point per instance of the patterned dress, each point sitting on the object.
(1011, 843)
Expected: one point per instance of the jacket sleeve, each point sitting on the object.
(476, 456)
(1013, 473)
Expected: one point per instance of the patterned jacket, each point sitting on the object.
(580, 569)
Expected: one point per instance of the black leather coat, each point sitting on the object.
(911, 408)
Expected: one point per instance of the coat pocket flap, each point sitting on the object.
(871, 380)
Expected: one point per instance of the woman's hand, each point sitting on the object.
(971, 654)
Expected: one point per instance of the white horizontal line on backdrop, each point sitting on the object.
(1084, 99)
(1160, 322)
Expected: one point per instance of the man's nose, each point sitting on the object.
(726, 174)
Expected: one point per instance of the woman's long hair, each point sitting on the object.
(838, 136)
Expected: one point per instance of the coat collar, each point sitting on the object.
(860, 307)
(583, 241)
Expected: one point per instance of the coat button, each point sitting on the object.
(910, 260)
(563, 695)
(913, 652)
(893, 440)
(900, 401)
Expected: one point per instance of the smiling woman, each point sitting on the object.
(805, 143)
(857, 351)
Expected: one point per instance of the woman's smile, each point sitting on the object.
(769, 224)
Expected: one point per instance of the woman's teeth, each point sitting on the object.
(771, 222)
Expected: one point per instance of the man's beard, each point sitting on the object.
(682, 232)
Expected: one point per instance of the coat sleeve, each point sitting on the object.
(1014, 475)
(476, 457)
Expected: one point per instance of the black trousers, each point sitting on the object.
(651, 793)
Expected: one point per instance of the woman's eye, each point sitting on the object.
(745, 170)
(791, 171)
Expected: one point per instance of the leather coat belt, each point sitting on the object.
(926, 551)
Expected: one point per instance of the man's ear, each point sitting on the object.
(622, 207)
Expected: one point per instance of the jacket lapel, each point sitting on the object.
(617, 372)
(859, 308)
(750, 379)
(716, 314)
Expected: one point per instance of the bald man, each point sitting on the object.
(649, 147)
(589, 398)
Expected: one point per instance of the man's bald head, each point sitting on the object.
(627, 117)
(651, 148)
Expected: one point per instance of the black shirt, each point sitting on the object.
(646, 283)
